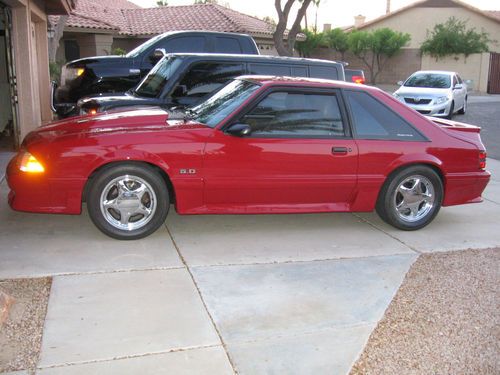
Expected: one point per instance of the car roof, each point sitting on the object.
(260, 58)
(295, 81)
(435, 72)
(202, 32)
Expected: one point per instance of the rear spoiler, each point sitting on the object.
(455, 125)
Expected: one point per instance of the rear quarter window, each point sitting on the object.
(374, 120)
(227, 45)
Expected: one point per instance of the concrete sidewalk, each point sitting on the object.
(287, 294)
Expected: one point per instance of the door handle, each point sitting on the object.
(341, 150)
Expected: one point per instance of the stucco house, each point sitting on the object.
(24, 66)
(418, 19)
(97, 27)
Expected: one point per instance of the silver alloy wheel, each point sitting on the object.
(414, 198)
(128, 202)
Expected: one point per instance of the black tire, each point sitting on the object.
(450, 114)
(464, 108)
(134, 192)
(390, 198)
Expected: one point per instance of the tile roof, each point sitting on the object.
(127, 18)
(494, 13)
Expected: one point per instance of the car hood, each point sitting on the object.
(98, 59)
(113, 100)
(138, 120)
(422, 92)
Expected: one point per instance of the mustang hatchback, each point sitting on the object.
(259, 145)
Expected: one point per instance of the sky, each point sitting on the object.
(336, 12)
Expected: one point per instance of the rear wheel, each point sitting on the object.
(128, 201)
(411, 198)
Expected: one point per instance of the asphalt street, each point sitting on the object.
(484, 111)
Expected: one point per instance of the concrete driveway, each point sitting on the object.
(270, 294)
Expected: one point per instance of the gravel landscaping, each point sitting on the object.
(445, 319)
(21, 334)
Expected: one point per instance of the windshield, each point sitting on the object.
(220, 105)
(431, 80)
(153, 84)
(144, 46)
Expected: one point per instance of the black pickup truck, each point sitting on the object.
(116, 74)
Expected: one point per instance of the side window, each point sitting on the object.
(455, 81)
(269, 69)
(299, 71)
(459, 79)
(227, 45)
(307, 115)
(184, 44)
(205, 77)
(373, 120)
(326, 72)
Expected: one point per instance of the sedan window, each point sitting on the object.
(296, 114)
(373, 120)
(431, 80)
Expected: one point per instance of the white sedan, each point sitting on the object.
(434, 93)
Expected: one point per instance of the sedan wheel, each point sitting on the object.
(128, 201)
(411, 199)
(464, 108)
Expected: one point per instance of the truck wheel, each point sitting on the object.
(128, 201)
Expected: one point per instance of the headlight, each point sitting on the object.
(29, 164)
(441, 100)
(69, 74)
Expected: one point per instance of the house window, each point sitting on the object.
(71, 50)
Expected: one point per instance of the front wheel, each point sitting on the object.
(452, 109)
(464, 108)
(128, 201)
(411, 198)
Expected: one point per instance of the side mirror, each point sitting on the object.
(458, 86)
(400, 83)
(157, 54)
(239, 130)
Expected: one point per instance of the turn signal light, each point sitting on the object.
(93, 111)
(79, 72)
(482, 159)
(30, 164)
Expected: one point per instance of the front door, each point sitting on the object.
(299, 156)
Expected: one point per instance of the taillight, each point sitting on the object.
(358, 79)
(482, 159)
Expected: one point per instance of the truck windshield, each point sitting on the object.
(153, 84)
(144, 46)
(224, 102)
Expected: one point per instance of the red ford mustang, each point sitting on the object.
(260, 145)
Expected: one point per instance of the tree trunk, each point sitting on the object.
(54, 42)
(278, 36)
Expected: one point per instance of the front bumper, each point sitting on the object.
(38, 193)
(436, 110)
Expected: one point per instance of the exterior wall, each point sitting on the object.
(473, 67)
(266, 47)
(128, 44)
(30, 50)
(418, 21)
(396, 69)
